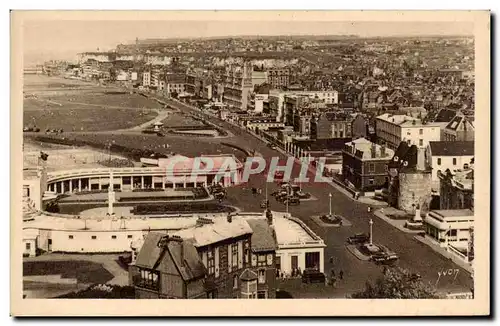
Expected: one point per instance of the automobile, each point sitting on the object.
(264, 203)
(358, 238)
(292, 201)
(302, 195)
(311, 275)
(160, 134)
(271, 146)
(384, 258)
(275, 193)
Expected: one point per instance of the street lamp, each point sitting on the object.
(330, 196)
(371, 231)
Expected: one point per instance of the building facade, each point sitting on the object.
(456, 189)
(460, 128)
(453, 156)
(365, 164)
(393, 129)
(213, 260)
(278, 78)
(450, 227)
(174, 172)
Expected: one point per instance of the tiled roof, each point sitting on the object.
(151, 255)
(404, 153)
(248, 275)
(150, 252)
(262, 236)
(193, 267)
(445, 115)
(216, 232)
(456, 148)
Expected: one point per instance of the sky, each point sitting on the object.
(62, 39)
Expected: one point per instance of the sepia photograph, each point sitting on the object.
(322, 157)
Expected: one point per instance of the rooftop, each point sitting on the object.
(456, 148)
(365, 147)
(262, 236)
(219, 231)
(454, 212)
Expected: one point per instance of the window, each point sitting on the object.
(278, 262)
(466, 166)
(148, 279)
(70, 237)
(28, 246)
(454, 161)
(235, 282)
(453, 233)
(420, 142)
(261, 260)
(211, 262)
(234, 254)
(371, 167)
(247, 252)
(113, 237)
(439, 161)
(371, 181)
(421, 131)
(262, 276)
(129, 236)
(94, 237)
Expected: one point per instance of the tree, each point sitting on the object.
(397, 283)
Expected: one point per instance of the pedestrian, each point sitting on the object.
(341, 274)
(331, 260)
(332, 272)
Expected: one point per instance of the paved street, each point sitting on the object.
(413, 254)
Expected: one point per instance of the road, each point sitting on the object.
(414, 255)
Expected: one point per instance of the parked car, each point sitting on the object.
(292, 201)
(272, 146)
(311, 275)
(358, 238)
(384, 258)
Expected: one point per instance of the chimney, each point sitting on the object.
(373, 150)
(203, 221)
(382, 150)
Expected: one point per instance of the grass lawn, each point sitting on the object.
(84, 100)
(122, 100)
(180, 120)
(184, 146)
(83, 271)
(93, 119)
